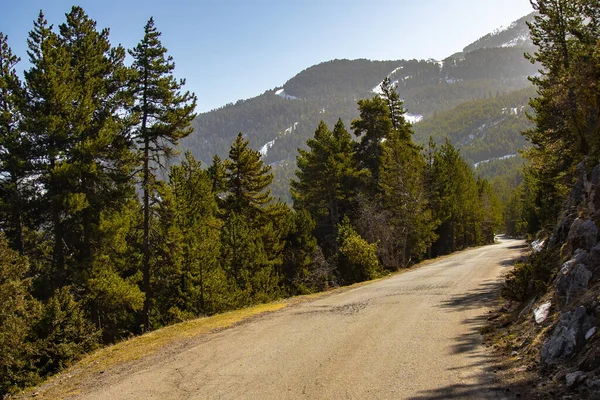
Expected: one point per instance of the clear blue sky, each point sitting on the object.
(234, 49)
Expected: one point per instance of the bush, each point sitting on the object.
(358, 258)
(531, 277)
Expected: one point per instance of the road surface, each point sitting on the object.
(411, 336)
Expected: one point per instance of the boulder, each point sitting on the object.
(568, 336)
(573, 278)
(575, 378)
(541, 313)
(583, 234)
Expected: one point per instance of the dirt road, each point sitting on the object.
(411, 336)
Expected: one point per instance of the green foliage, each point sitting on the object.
(458, 202)
(164, 115)
(566, 116)
(404, 198)
(84, 133)
(64, 333)
(357, 258)
(532, 277)
(373, 127)
(18, 311)
(247, 179)
(14, 164)
(328, 179)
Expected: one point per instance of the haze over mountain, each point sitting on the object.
(475, 97)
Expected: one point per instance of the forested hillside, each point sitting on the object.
(281, 119)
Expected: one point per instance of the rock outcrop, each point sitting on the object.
(568, 336)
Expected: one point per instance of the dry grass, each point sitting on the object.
(65, 383)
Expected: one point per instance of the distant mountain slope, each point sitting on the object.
(281, 119)
(516, 34)
(483, 129)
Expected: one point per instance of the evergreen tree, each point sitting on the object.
(18, 313)
(328, 180)
(404, 197)
(14, 148)
(165, 115)
(217, 173)
(76, 120)
(567, 122)
(373, 127)
(196, 218)
(452, 193)
(395, 105)
(46, 121)
(248, 180)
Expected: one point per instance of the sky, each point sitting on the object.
(236, 49)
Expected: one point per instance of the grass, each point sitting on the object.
(66, 382)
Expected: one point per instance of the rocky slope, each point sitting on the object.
(552, 337)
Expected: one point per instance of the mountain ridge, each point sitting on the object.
(280, 120)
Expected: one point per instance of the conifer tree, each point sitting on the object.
(395, 105)
(248, 180)
(328, 180)
(196, 211)
(45, 119)
(373, 127)
(217, 173)
(165, 115)
(404, 198)
(452, 193)
(18, 313)
(566, 111)
(76, 118)
(14, 149)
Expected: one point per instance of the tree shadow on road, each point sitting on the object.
(487, 385)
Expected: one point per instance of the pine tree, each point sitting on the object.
(566, 110)
(165, 116)
(395, 105)
(373, 128)
(328, 180)
(217, 173)
(248, 180)
(453, 196)
(14, 149)
(404, 198)
(76, 120)
(18, 313)
(196, 218)
(45, 119)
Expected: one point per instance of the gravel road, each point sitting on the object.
(411, 336)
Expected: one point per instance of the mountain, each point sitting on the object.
(468, 97)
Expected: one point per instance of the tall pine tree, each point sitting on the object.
(165, 115)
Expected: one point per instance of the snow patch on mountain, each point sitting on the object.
(377, 89)
(501, 29)
(413, 118)
(265, 149)
(477, 164)
(513, 110)
(519, 40)
(281, 93)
